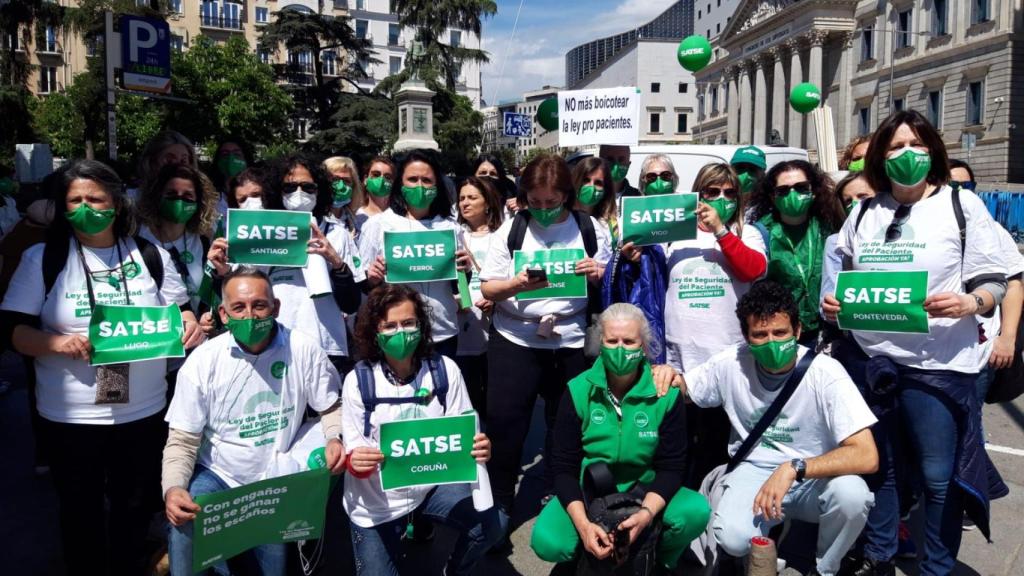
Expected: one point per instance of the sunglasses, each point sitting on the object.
(652, 176)
(800, 187)
(715, 192)
(895, 230)
(968, 185)
(308, 187)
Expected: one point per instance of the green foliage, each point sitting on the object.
(362, 126)
(15, 104)
(533, 153)
(431, 58)
(457, 131)
(138, 120)
(57, 119)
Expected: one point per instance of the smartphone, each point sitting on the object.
(536, 274)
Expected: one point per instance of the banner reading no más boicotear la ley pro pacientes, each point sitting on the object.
(134, 333)
(268, 237)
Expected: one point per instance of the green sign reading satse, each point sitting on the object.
(283, 509)
(883, 301)
(425, 256)
(657, 219)
(268, 237)
(428, 451)
(133, 333)
(560, 266)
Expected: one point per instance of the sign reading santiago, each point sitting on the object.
(268, 237)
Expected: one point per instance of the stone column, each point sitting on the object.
(746, 108)
(760, 102)
(814, 70)
(779, 100)
(732, 120)
(844, 125)
(795, 136)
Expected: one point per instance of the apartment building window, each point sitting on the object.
(904, 20)
(264, 56)
(898, 104)
(655, 87)
(714, 100)
(47, 79)
(174, 6)
(262, 15)
(455, 38)
(867, 45)
(940, 11)
(360, 4)
(935, 108)
(232, 15)
(864, 121)
(49, 40)
(718, 28)
(979, 11)
(976, 103)
(681, 124)
(330, 60)
(394, 65)
(393, 33)
(177, 43)
(361, 29)
(11, 42)
(699, 14)
(209, 12)
(655, 122)
(683, 88)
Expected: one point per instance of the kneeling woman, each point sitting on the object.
(612, 414)
(393, 337)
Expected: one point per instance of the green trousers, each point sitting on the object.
(555, 539)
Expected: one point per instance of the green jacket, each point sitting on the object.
(794, 261)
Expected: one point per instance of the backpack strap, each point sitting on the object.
(766, 238)
(586, 226)
(517, 234)
(864, 205)
(439, 374)
(367, 391)
(55, 258)
(205, 242)
(961, 222)
(151, 258)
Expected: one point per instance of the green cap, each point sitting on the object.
(749, 155)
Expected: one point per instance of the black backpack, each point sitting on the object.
(368, 388)
(522, 221)
(55, 258)
(607, 507)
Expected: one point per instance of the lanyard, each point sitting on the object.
(111, 272)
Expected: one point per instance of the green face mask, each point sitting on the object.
(794, 204)
(849, 207)
(908, 167)
(88, 220)
(724, 207)
(620, 360)
(619, 171)
(746, 182)
(545, 216)
(419, 197)
(230, 166)
(7, 186)
(177, 210)
(250, 331)
(590, 195)
(378, 186)
(399, 345)
(342, 193)
(658, 187)
(856, 165)
(774, 355)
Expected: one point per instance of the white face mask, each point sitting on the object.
(299, 201)
(254, 203)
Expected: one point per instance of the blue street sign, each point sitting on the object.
(146, 54)
(518, 125)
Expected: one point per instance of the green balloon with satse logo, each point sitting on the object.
(805, 97)
(694, 53)
(547, 114)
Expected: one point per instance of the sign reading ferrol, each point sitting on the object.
(428, 451)
(268, 237)
(145, 54)
(283, 509)
(657, 219)
(134, 333)
(425, 256)
(883, 301)
(560, 266)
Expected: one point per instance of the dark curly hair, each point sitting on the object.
(764, 300)
(125, 223)
(258, 175)
(375, 309)
(324, 194)
(826, 208)
(442, 204)
(205, 218)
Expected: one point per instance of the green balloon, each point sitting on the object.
(694, 52)
(805, 97)
(547, 114)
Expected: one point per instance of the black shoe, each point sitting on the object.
(869, 567)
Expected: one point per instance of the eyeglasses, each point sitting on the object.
(652, 176)
(715, 192)
(392, 328)
(308, 187)
(800, 187)
(968, 185)
(895, 230)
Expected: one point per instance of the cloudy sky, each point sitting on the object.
(547, 30)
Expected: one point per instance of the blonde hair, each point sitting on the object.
(148, 206)
(335, 163)
(664, 160)
(723, 173)
(629, 313)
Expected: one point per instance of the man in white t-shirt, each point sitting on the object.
(238, 407)
(807, 464)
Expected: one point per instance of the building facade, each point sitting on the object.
(493, 137)
(541, 137)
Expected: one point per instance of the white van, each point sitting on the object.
(688, 159)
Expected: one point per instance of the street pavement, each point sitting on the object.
(29, 539)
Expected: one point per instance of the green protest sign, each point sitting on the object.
(883, 301)
(560, 266)
(428, 451)
(425, 256)
(133, 333)
(268, 237)
(283, 509)
(657, 219)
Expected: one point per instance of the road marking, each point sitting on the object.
(1004, 449)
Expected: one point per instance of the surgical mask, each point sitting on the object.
(620, 360)
(250, 331)
(177, 210)
(253, 203)
(230, 166)
(724, 207)
(850, 206)
(794, 204)
(659, 187)
(299, 201)
(378, 186)
(590, 195)
(342, 193)
(908, 166)
(746, 182)
(774, 355)
(399, 345)
(856, 165)
(619, 171)
(89, 220)
(545, 216)
(419, 197)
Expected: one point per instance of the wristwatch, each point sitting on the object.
(979, 301)
(721, 233)
(800, 466)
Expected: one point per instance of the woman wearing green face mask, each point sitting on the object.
(347, 193)
(658, 175)
(611, 414)
(380, 175)
(594, 194)
(795, 211)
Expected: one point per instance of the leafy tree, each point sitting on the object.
(362, 126)
(458, 130)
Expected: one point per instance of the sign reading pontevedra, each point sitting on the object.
(268, 237)
(428, 451)
(134, 333)
(883, 301)
(283, 509)
(424, 256)
(656, 219)
(560, 266)
(146, 54)
(601, 116)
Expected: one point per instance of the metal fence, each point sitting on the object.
(1008, 209)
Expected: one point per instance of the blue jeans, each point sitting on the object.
(377, 549)
(268, 560)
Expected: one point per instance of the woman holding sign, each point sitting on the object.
(401, 379)
(916, 222)
(102, 423)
